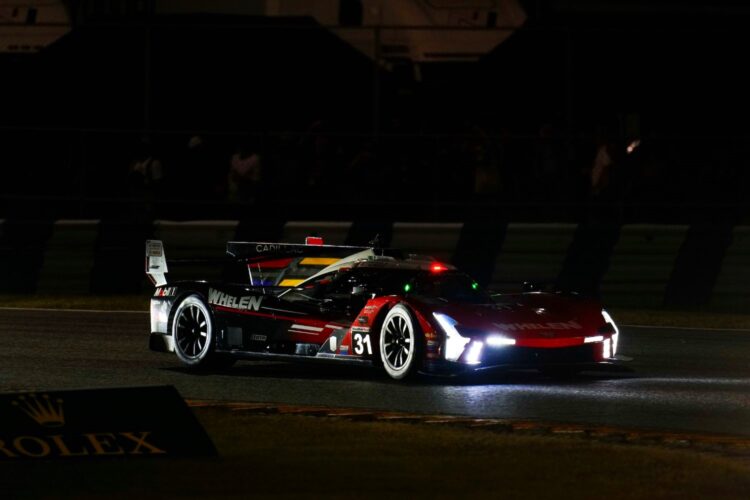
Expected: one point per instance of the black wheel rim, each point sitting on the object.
(192, 331)
(397, 342)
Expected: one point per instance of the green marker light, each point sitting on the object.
(475, 285)
(407, 287)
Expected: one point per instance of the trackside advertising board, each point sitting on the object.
(125, 423)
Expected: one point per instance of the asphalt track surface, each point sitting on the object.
(677, 380)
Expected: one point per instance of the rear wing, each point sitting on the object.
(253, 250)
(268, 264)
(288, 264)
(156, 262)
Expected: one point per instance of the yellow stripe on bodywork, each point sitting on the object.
(318, 261)
(290, 282)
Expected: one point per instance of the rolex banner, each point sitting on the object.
(90, 424)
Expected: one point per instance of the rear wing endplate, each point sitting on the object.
(156, 262)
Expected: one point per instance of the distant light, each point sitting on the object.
(407, 287)
(438, 268)
(496, 340)
(474, 353)
(313, 240)
(595, 338)
(633, 146)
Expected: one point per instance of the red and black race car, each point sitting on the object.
(343, 304)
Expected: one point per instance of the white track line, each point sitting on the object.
(656, 327)
(49, 309)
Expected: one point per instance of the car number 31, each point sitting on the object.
(362, 343)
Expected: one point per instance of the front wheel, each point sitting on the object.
(400, 343)
(193, 334)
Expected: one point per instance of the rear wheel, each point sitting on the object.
(193, 334)
(400, 343)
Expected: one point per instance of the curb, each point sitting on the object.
(727, 445)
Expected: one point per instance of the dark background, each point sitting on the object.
(342, 138)
(75, 116)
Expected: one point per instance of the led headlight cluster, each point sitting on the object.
(456, 344)
(454, 341)
(615, 335)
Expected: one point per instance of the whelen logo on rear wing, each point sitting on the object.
(250, 249)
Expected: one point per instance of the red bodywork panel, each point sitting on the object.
(536, 320)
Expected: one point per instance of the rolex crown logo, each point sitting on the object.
(43, 410)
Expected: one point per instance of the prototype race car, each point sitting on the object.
(344, 304)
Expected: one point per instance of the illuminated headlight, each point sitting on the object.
(595, 338)
(615, 335)
(496, 340)
(474, 353)
(454, 342)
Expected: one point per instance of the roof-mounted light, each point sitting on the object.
(438, 267)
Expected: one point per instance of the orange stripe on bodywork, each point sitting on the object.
(318, 261)
(290, 282)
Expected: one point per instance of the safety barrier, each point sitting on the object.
(641, 264)
(82, 256)
(532, 252)
(69, 257)
(733, 283)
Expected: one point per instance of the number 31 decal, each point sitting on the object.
(362, 343)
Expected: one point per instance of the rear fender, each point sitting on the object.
(184, 291)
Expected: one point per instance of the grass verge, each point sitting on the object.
(287, 456)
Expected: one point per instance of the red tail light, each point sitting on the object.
(313, 240)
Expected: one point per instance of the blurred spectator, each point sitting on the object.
(145, 172)
(486, 171)
(245, 175)
(317, 150)
(548, 164)
(601, 169)
(607, 177)
(510, 160)
(193, 173)
(145, 178)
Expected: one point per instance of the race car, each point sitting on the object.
(403, 313)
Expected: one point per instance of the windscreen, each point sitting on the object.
(449, 286)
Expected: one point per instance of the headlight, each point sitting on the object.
(615, 335)
(454, 342)
(497, 340)
(474, 353)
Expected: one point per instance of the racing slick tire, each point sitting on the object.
(193, 334)
(401, 343)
